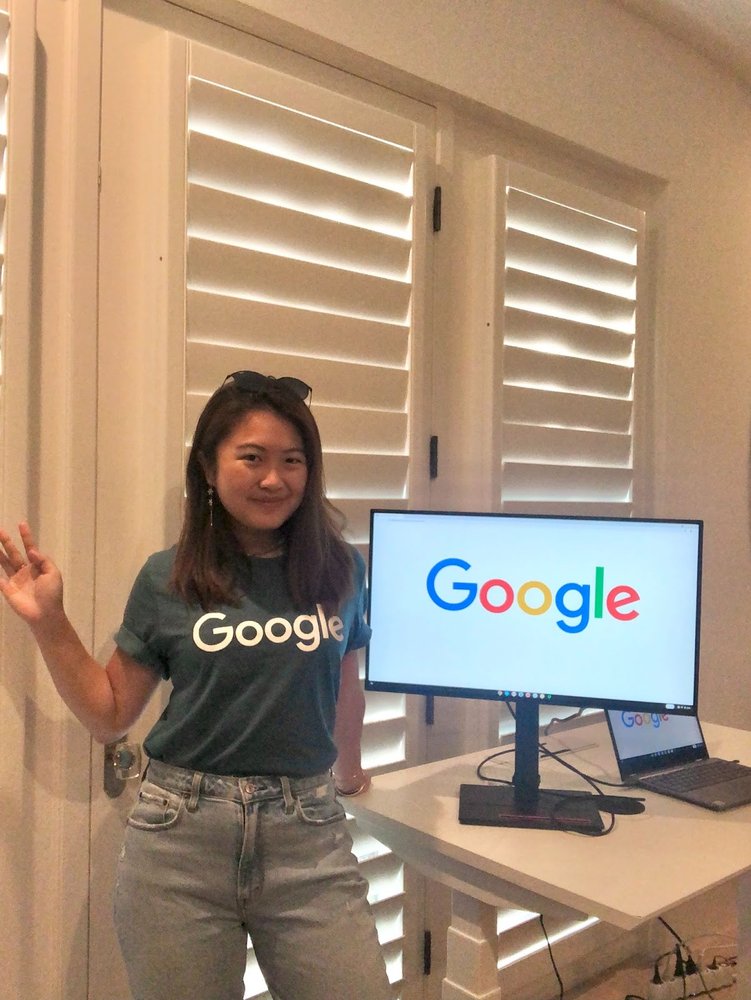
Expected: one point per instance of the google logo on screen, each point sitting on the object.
(631, 719)
(577, 603)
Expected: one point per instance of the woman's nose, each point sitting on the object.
(271, 477)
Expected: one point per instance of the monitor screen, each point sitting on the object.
(592, 612)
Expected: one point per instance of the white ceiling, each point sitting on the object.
(719, 29)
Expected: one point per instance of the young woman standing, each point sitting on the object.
(255, 617)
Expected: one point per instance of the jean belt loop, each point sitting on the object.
(195, 791)
(289, 801)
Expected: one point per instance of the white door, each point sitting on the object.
(139, 420)
(161, 351)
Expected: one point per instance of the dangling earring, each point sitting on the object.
(210, 495)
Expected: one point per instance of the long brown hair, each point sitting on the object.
(318, 561)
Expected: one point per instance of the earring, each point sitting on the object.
(210, 495)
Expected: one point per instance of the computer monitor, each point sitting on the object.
(537, 610)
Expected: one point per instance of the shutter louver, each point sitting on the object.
(569, 329)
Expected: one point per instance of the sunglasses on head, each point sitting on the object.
(256, 382)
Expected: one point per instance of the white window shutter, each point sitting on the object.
(301, 262)
(566, 268)
(303, 258)
(568, 327)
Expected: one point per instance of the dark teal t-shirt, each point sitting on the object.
(254, 687)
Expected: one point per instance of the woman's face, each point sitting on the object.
(260, 476)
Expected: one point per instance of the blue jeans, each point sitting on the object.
(208, 860)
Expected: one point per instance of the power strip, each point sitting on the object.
(692, 986)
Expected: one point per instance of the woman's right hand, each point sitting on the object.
(33, 586)
(106, 701)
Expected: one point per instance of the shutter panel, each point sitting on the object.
(568, 339)
(566, 280)
(301, 260)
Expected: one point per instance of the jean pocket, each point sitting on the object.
(319, 806)
(156, 808)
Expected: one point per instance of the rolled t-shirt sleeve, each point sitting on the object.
(360, 632)
(139, 634)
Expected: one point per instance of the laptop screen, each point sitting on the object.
(645, 742)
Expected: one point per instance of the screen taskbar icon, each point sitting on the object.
(518, 695)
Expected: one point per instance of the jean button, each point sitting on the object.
(249, 787)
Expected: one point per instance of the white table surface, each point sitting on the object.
(649, 864)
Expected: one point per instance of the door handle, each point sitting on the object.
(122, 762)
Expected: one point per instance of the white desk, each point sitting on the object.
(678, 851)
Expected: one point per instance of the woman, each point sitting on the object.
(255, 617)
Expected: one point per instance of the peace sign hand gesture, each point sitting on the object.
(33, 586)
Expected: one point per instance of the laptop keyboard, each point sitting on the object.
(710, 772)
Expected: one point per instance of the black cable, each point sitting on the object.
(557, 755)
(593, 782)
(682, 944)
(492, 756)
(552, 958)
(564, 800)
(577, 715)
(703, 982)
(675, 934)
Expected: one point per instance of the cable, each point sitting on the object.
(486, 760)
(557, 755)
(675, 934)
(552, 958)
(564, 799)
(594, 782)
(544, 751)
(682, 970)
(569, 718)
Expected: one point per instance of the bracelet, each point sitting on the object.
(364, 781)
(354, 791)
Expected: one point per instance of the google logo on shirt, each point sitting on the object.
(577, 603)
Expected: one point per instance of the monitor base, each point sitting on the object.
(547, 809)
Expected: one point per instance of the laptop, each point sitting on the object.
(667, 754)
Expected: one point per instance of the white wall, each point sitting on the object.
(604, 86)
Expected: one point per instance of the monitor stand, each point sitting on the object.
(524, 803)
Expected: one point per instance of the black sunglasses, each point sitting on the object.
(256, 382)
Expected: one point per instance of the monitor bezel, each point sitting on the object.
(493, 695)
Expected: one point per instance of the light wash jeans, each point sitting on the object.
(208, 860)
